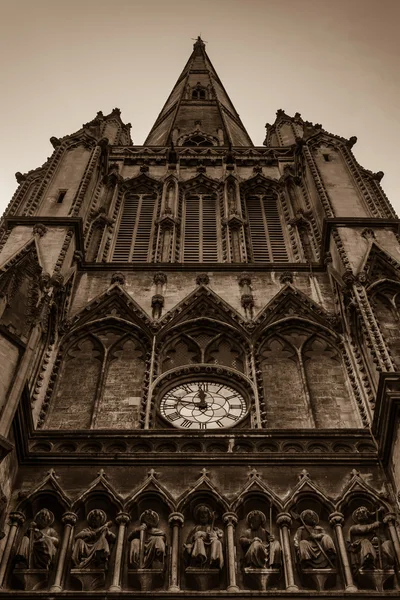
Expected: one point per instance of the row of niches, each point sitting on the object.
(201, 543)
(204, 377)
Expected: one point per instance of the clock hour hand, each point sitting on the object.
(202, 404)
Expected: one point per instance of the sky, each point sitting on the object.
(336, 62)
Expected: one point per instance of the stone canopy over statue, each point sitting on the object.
(260, 547)
(367, 551)
(203, 546)
(92, 544)
(39, 547)
(314, 547)
(147, 543)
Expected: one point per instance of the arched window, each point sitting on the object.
(313, 391)
(100, 383)
(201, 217)
(198, 93)
(135, 228)
(266, 234)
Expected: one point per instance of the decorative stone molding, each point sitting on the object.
(118, 277)
(39, 229)
(286, 277)
(202, 279)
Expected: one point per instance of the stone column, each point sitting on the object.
(16, 519)
(69, 520)
(390, 520)
(230, 521)
(284, 521)
(122, 520)
(175, 521)
(336, 520)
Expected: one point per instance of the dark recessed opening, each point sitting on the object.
(61, 196)
(326, 157)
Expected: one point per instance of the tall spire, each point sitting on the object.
(198, 110)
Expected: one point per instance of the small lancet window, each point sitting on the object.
(199, 93)
(61, 196)
(327, 157)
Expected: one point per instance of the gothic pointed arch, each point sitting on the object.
(255, 487)
(107, 361)
(311, 356)
(306, 488)
(49, 486)
(203, 490)
(151, 487)
(358, 489)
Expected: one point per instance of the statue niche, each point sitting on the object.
(36, 555)
(91, 551)
(315, 552)
(203, 551)
(262, 554)
(372, 558)
(147, 553)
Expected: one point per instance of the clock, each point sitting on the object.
(203, 405)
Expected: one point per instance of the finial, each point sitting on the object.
(102, 474)
(253, 473)
(199, 43)
(304, 474)
(152, 473)
(204, 472)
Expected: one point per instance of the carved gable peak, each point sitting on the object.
(26, 257)
(48, 485)
(143, 183)
(260, 181)
(115, 302)
(255, 485)
(202, 302)
(379, 264)
(201, 184)
(151, 486)
(306, 486)
(202, 488)
(288, 303)
(103, 486)
(357, 486)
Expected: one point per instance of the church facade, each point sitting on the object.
(200, 347)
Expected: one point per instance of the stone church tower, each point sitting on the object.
(200, 345)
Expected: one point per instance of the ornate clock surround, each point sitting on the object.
(202, 373)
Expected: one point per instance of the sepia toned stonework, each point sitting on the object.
(199, 345)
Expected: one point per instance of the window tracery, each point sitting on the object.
(108, 368)
(314, 379)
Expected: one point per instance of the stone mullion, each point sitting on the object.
(85, 181)
(303, 376)
(357, 385)
(100, 389)
(69, 520)
(372, 328)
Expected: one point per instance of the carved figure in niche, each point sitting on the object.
(203, 546)
(261, 548)
(92, 544)
(367, 551)
(314, 548)
(147, 543)
(39, 547)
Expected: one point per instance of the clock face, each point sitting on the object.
(203, 405)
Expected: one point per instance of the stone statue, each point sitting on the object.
(203, 546)
(39, 546)
(366, 550)
(92, 544)
(147, 542)
(261, 549)
(314, 548)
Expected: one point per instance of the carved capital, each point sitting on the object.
(202, 279)
(17, 518)
(118, 277)
(160, 278)
(229, 518)
(390, 518)
(122, 518)
(286, 277)
(69, 518)
(39, 229)
(284, 520)
(176, 518)
(336, 519)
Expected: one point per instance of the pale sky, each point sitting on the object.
(334, 61)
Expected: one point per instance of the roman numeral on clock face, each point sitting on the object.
(173, 416)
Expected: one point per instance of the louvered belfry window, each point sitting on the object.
(135, 228)
(200, 229)
(267, 239)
